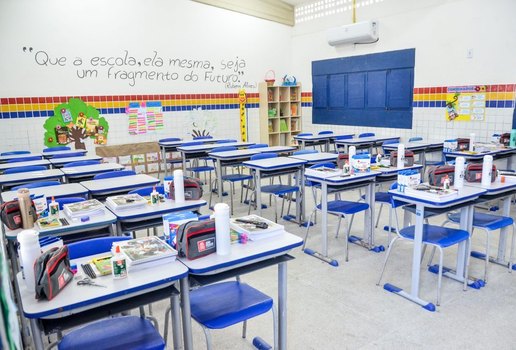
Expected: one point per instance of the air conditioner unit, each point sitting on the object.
(356, 33)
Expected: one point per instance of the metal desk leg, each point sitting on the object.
(327, 146)
(187, 316)
(176, 322)
(502, 243)
(324, 218)
(36, 334)
(219, 179)
(164, 158)
(258, 190)
(282, 306)
(302, 144)
(183, 157)
(369, 215)
(300, 209)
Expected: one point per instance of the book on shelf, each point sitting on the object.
(256, 227)
(283, 125)
(323, 172)
(126, 201)
(85, 208)
(145, 250)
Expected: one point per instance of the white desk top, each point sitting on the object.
(179, 143)
(365, 140)
(245, 153)
(4, 166)
(54, 153)
(79, 171)
(494, 188)
(31, 176)
(210, 146)
(62, 161)
(465, 194)
(394, 170)
(274, 163)
(244, 254)
(343, 180)
(316, 157)
(16, 156)
(313, 137)
(118, 184)
(74, 298)
(153, 211)
(474, 155)
(75, 225)
(57, 191)
(417, 145)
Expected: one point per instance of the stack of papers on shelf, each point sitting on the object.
(432, 193)
(85, 208)
(252, 231)
(126, 201)
(146, 252)
(323, 172)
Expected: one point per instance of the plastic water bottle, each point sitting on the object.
(29, 252)
(222, 231)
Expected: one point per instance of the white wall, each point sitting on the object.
(441, 31)
(96, 28)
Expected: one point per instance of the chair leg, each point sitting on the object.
(486, 263)
(386, 259)
(466, 270)
(207, 335)
(511, 256)
(440, 275)
(378, 217)
(231, 189)
(338, 227)
(348, 226)
(275, 327)
(244, 329)
(307, 229)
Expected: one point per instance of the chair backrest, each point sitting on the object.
(12, 153)
(93, 246)
(343, 137)
(24, 169)
(325, 132)
(170, 139)
(66, 155)
(146, 191)
(394, 186)
(305, 151)
(36, 185)
(57, 148)
(226, 141)
(264, 155)
(223, 149)
(193, 143)
(258, 145)
(24, 159)
(305, 134)
(66, 200)
(110, 174)
(326, 165)
(203, 137)
(415, 138)
(81, 163)
(366, 134)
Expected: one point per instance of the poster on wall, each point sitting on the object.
(466, 103)
(144, 117)
(74, 122)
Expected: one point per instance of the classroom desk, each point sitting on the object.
(132, 219)
(270, 166)
(4, 159)
(59, 162)
(315, 158)
(504, 153)
(76, 305)
(344, 183)
(228, 158)
(364, 142)
(115, 185)
(51, 154)
(4, 166)
(56, 191)
(192, 152)
(418, 147)
(244, 258)
(504, 192)
(88, 171)
(466, 198)
(10, 180)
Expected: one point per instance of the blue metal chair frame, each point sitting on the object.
(36, 185)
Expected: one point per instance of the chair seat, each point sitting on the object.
(488, 221)
(200, 169)
(127, 332)
(345, 207)
(279, 189)
(221, 305)
(236, 177)
(385, 197)
(438, 235)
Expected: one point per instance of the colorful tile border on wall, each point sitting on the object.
(497, 96)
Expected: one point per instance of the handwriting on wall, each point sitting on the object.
(132, 69)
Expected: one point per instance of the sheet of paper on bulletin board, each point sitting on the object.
(466, 103)
(143, 157)
(144, 117)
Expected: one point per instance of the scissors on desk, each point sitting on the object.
(88, 282)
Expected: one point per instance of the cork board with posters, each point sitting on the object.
(143, 157)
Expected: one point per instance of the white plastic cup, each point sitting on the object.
(458, 178)
(222, 231)
(487, 171)
(401, 156)
(29, 252)
(179, 186)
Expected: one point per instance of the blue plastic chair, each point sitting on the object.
(366, 134)
(220, 305)
(117, 173)
(487, 223)
(232, 178)
(36, 185)
(305, 151)
(341, 137)
(169, 139)
(12, 153)
(66, 200)
(305, 134)
(125, 332)
(337, 207)
(172, 160)
(388, 142)
(197, 169)
(226, 141)
(258, 145)
(81, 163)
(24, 159)
(203, 137)
(24, 169)
(325, 132)
(415, 138)
(57, 148)
(146, 191)
(67, 155)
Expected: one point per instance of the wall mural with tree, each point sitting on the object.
(74, 122)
